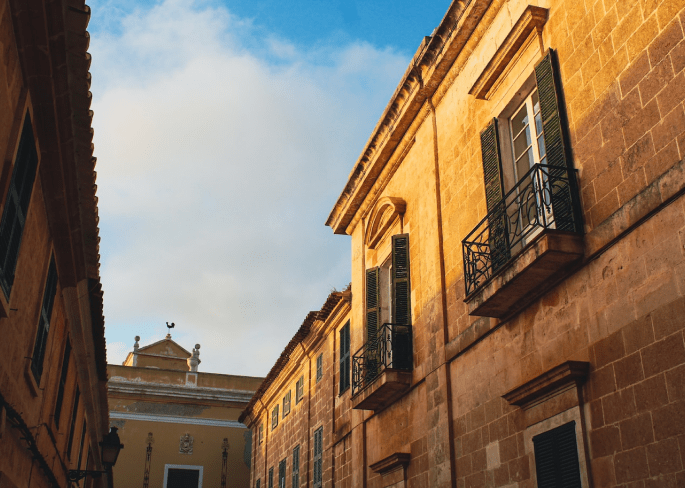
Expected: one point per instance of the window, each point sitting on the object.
(387, 290)
(83, 441)
(299, 390)
(318, 458)
(535, 136)
(274, 418)
(182, 476)
(296, 467)
(286, 404)
(345, 357)
(271, 477)
(261, 433)
(258, 484)
(319, 367)
(17, 205)
(62, 382)
(281, 474)
(556, 458)
(74, 411)
(44, 322)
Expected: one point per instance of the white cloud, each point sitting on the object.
(218, 162)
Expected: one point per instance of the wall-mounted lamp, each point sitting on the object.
(109, 449)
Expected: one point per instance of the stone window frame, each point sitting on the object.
(286, 404)
(573, 414)
(183, 466)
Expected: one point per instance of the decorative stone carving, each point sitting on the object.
(384, 214)
(194, 359)
(186, 446)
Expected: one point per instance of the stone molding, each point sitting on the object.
(116, 386)
(390, 463)
(421, 80)
(532, 19)
(558, 379)
(383, 216)
(146, 417)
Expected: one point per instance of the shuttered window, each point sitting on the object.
(345, 357)
(401, 307)
(494, 193)
(258, 484)
(281, 474)
(17, 205)
(62, 383)
(44, 322)
(318, 457)
(373, 305)
(299, 390)
(319, 367)
(556, 458)
(274, 418)
(296, 467)
(261, 433)
(286, 404)
(271, 477)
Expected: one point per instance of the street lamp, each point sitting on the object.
(109, 451)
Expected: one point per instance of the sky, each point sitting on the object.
(224, 133)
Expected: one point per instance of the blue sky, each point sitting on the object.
(224, 133)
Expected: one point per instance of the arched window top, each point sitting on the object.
(386, 210)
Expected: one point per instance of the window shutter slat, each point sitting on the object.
(494, 194)
(556, 458)
(373, 310)
(549, 92)
(400, 279)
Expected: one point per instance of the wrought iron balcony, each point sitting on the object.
(545, 200)
(390, 352)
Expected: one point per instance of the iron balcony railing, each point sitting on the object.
(391, 349)
(545, 198)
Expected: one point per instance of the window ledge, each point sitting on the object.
(545, 261)
(532, 19)
(390, 385)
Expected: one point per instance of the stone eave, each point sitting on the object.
(427, 70)
(122, 387)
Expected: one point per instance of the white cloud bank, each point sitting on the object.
(220, 153)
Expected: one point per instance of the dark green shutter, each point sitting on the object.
(345, 357)
(556, 143)
(281, 474)
(373, 305)
(401, 303)
(556, 458)
(494, 196)
(318, 450)
(16, 205)
(296, 467)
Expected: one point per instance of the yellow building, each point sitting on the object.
(179, 426)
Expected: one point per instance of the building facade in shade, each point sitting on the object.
(53, 403)
(517, 223)
(296, 403)
(180, 426)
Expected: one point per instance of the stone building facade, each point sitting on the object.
(179, 425)
(298, 401)
(53, 373)
(518, 211)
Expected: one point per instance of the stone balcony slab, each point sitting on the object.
(390, 385)
(540, 265)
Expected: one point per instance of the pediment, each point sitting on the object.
(165, 347)
(385, 212)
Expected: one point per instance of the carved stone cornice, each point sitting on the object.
(532, 19)
(566, 375)
(432, 61)
(394, 461)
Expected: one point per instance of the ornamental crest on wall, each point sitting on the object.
(186, 446)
